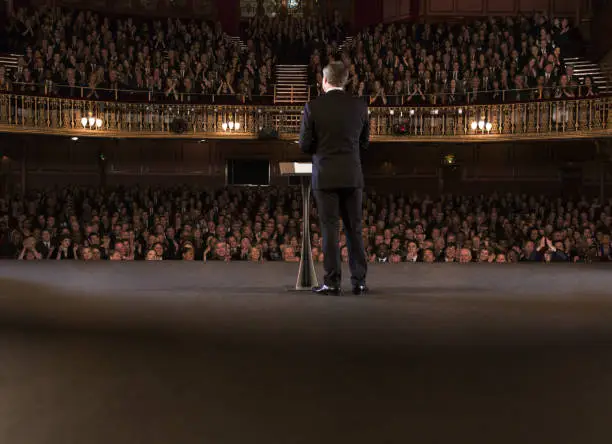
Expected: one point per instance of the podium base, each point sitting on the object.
(299, 289)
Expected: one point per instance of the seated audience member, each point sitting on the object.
(589, 89)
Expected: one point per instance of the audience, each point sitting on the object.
(126, 224)
(295, 38)
(510, 59)
(85, 54)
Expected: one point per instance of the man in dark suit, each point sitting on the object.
(335, 126)
(45, 246)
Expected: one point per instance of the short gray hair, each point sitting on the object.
(336, 74)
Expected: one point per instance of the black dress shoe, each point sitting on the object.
(360, 290)
(325, 290)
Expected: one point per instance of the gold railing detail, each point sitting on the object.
(543, 119)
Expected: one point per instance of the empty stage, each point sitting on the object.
(175, 352)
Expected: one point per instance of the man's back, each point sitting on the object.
(335, 128)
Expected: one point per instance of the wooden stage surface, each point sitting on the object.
(174, 352)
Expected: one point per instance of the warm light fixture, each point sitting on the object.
(412, 112)
(488, 126)
(391, 112)
(460, 111)
(481, 125)
(74, 139)
(91, 122)
(474, 125)
(230, 125)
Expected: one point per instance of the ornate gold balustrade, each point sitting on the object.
(546, 119)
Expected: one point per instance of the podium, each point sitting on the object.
(307, 277)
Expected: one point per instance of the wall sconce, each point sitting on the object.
(230, 126)
(481, 125)
(91, 123)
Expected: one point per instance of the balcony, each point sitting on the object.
(566, 119)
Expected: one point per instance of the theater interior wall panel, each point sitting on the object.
(493, 156)
(444, 7)
(470, 6)
(503, 7)
(197, 156)
(54, 161)
(397, 9)
(405, 7)
(389, 9)
(40, 157)
(481, 8)
(173, 8)
(84, 157)
(366, 13)
(565, 7)
(533, 5)
(165, 180)
(38, 180)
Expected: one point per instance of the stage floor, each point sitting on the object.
(174, 352)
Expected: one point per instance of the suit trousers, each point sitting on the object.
(347, 204)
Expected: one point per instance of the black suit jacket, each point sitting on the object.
(43, 250)
(335, 127)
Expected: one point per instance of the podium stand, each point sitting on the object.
(307, 277)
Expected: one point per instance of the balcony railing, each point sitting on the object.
(545, 119)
